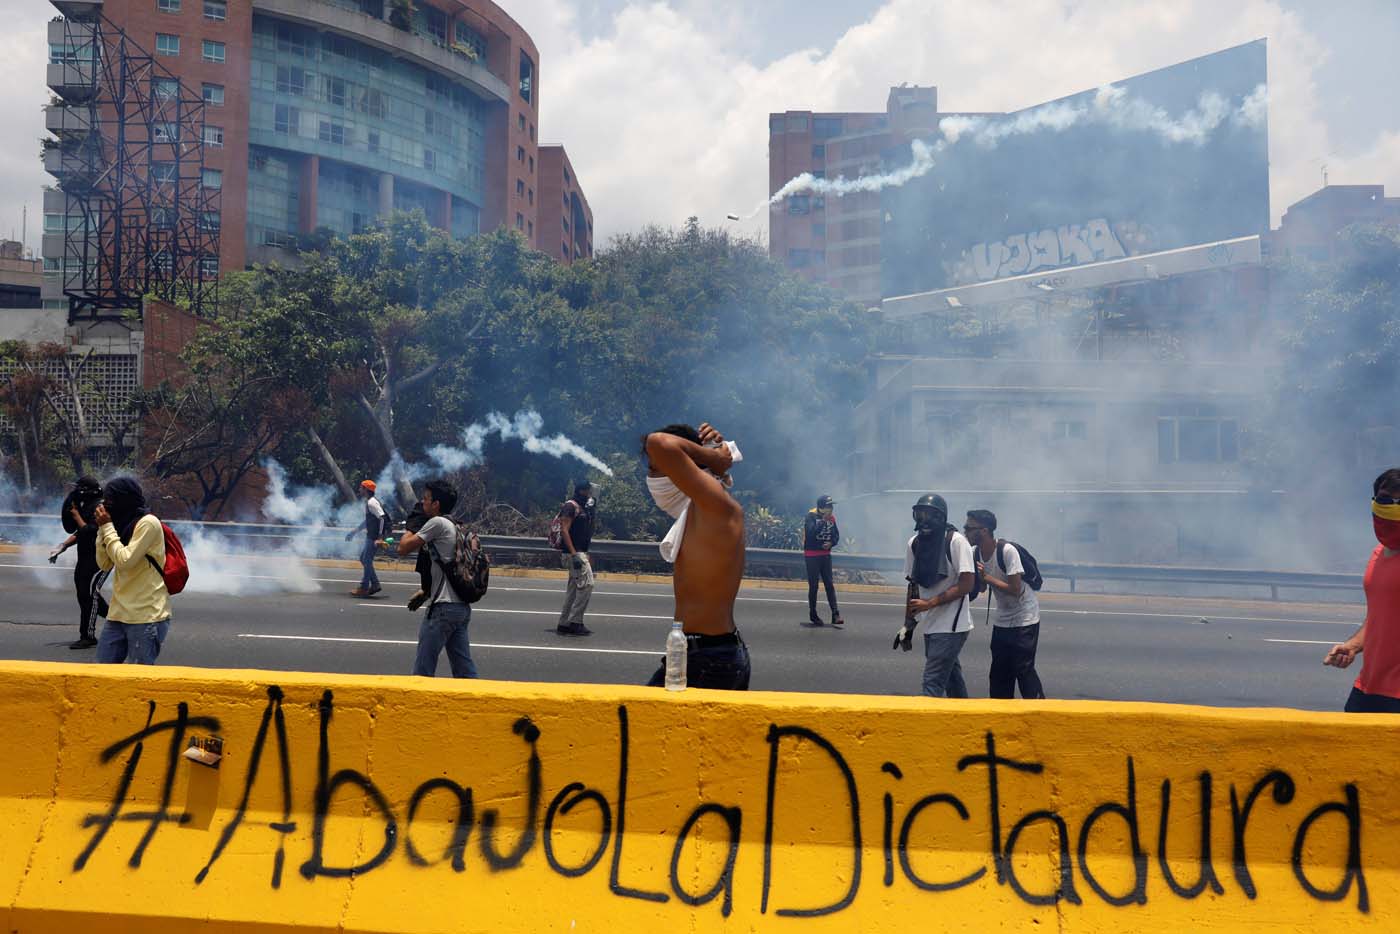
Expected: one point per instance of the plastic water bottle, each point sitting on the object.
(676, 654)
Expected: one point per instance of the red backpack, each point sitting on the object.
(176, 572)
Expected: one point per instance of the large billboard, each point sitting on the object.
(1168, 159)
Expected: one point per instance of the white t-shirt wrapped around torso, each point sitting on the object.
(1012, 612)
(950, 617)
(439, 537)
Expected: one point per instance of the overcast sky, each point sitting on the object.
(663, 106)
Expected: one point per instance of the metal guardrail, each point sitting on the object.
(608, 554)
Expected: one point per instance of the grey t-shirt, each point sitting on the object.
(439, 537)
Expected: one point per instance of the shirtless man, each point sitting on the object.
(686, 473)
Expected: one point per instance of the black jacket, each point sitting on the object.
(817, 532)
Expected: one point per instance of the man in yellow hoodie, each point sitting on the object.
(131, 542)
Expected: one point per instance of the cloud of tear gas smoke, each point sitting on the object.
(524, 427)
(1110, 106)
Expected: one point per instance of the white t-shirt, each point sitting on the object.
(439, 537)
(1012, 612)
(950, 617)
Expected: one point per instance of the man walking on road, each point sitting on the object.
(576, 518)
(939, 565)
(374, 526)
(78, 519)
(1016, 625)
(445, 625)
(819, 536)
(131, 543)
(1377, 688)
(687, 477)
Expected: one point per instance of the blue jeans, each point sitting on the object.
(942, 673)
(368, 580)
(140, 641)
(445, 626)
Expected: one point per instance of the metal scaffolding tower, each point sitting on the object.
(129, 157)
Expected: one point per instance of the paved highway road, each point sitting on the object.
(1120, 648)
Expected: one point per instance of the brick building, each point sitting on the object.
(330, 113)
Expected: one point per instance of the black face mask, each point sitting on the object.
(929, 521)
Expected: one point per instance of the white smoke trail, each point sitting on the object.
(1110, 106)
(524, 427)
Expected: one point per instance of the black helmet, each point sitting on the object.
(930, 514)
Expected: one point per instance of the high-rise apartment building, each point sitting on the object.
(837, 240)
(331, 113)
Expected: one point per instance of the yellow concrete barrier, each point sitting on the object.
(345, 803)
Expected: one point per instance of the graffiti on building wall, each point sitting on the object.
(993, 808)
(1051, 248)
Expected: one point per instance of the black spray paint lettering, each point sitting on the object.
(614, 876)
(1206, 876)
(161, 815)
(494, 859)
(775, 737)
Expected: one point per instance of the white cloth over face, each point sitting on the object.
(676, 504)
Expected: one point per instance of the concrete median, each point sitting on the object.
(383, 804)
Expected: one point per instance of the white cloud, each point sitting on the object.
(23, 53)
(664, 118)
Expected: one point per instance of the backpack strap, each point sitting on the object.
(1001, 554)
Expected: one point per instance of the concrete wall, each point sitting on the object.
(398, 804)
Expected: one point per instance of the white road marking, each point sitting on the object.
(475, 645)
(490, 609)
(1304, 641)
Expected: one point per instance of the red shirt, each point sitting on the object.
(1380, 656)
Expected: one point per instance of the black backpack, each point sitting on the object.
(469, 571)
(1030, 575)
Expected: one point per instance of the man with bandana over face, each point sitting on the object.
(1377, 688)
(131, 543)
(687, 474)
(939, 566)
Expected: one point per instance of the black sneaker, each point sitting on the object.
(578, 629)
(814, 620)
(83, 643)
(836, 620)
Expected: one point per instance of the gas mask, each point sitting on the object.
(929, 521)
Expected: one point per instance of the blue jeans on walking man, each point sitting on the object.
(368, 580)
(445, 626)
(942, 674)
(140, 642)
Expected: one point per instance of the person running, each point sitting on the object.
(88, 578)
(939, 566)
(1377, 688)
(819, 536)
(131, 544)
(445, 624)
(374, 524)
(576, 518)
(1016, 626)
(687, 472)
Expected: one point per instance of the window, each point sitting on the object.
(520, 121)
(213, 51)
(373, 141)
(532, 132)
(566, 202)
(167, 132)
(53, 223)
(564, 249)
(565, 222)
(798, 258)
(166, 89)
(163, 172)
(162, 263)
(800, 204)
(163, 218)
(826, 127)
(286, 119)
(531, 226)
(1197, 440)
(519, 153)
(216, 10)
(291, 80)
(520, 221)
(209, 220)
(213, 135)
(212, 178)
(532, 165)
(214, 95)
(335, 91)
(1069, 430)
(532, 195)
(567, 180)
(208, 266)
(429, 160)
(519, 188)
(527, 76)
(819, 231)
(51, 264)
(797, 123)
(168, 6)
(819, 150)
(328, 132)
(167, 44)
